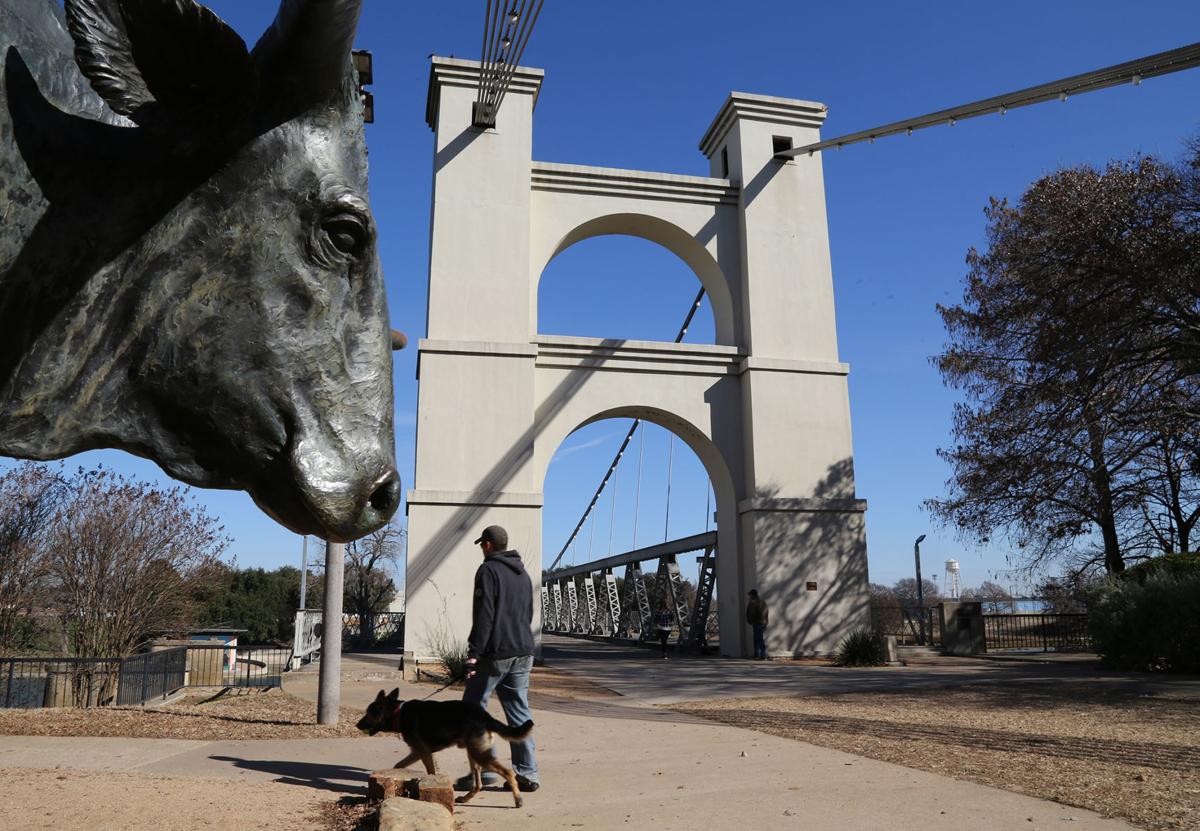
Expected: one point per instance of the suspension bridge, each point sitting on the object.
(765, 408)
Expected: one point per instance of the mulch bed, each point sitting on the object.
(247, 715)
(1119, 753)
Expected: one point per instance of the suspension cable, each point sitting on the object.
(507, 25)
(1130, 72)
(687, 321)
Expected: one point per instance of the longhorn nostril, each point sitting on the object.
(386, 496)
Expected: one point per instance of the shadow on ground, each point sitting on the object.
(308, 774)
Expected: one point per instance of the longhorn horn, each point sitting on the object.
(303, 57)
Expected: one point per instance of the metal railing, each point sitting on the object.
(151, 675)
(219, 665)
(909, 624)
(28, 683)
(1044, 631)
(306, 638)
(384, 628)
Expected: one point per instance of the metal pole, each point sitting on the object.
(329, 691)
(304, 574)
(920, 593)
(670, 459)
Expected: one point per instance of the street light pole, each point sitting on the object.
(920, 593)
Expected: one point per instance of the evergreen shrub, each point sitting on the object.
(1149, 624)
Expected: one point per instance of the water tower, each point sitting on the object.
(950, 586)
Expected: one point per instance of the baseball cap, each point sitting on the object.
(494, 534)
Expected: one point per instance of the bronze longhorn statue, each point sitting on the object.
(188, 267)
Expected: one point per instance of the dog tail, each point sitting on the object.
(512, 734)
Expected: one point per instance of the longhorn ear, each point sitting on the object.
(172, 66)
(304, 57)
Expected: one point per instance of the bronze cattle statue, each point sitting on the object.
(188, 267)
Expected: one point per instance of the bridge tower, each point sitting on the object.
(765, 409)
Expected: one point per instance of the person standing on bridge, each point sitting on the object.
(500, 646)
(756, 616)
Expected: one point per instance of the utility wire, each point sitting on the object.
(687, 321)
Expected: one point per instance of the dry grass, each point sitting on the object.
(249, 715)
(1120, 754)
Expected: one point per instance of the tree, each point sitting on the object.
(1071, 348)
(30, 496)
(905, 592)
(368, 587)
(881, 595)
(260, 601)
(995, 598)
(124, 559)
(1068, 594)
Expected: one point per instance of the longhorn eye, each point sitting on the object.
(347, 233)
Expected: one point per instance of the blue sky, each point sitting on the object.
(635, 85)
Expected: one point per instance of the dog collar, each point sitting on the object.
(396, 716)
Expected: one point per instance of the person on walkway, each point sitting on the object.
(756, 616)
(500, 646)
(664, 622)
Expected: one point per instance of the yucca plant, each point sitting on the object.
(454, 658)
(860, 648)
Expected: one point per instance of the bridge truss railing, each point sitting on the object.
(584, 601)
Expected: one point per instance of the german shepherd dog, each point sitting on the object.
(430, 726)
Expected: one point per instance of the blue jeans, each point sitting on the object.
(509, 677)
(760, 640)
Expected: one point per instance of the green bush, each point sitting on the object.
(1172, 565)
(860, 648)
(1149, 624)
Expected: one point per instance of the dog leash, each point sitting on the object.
(438, 690)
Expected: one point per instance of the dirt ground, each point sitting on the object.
(75, 800)
(1120, 754)
(98, 801)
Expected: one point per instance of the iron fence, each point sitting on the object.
(909, 624)
(1044, 631)
(221, 665)
(306, 637)
(383, 629)
(27, 683)
(151, 675)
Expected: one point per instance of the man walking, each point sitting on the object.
(500, 647)
(756, 616)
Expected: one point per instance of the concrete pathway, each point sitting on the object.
(617, 763)
(641, 676)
